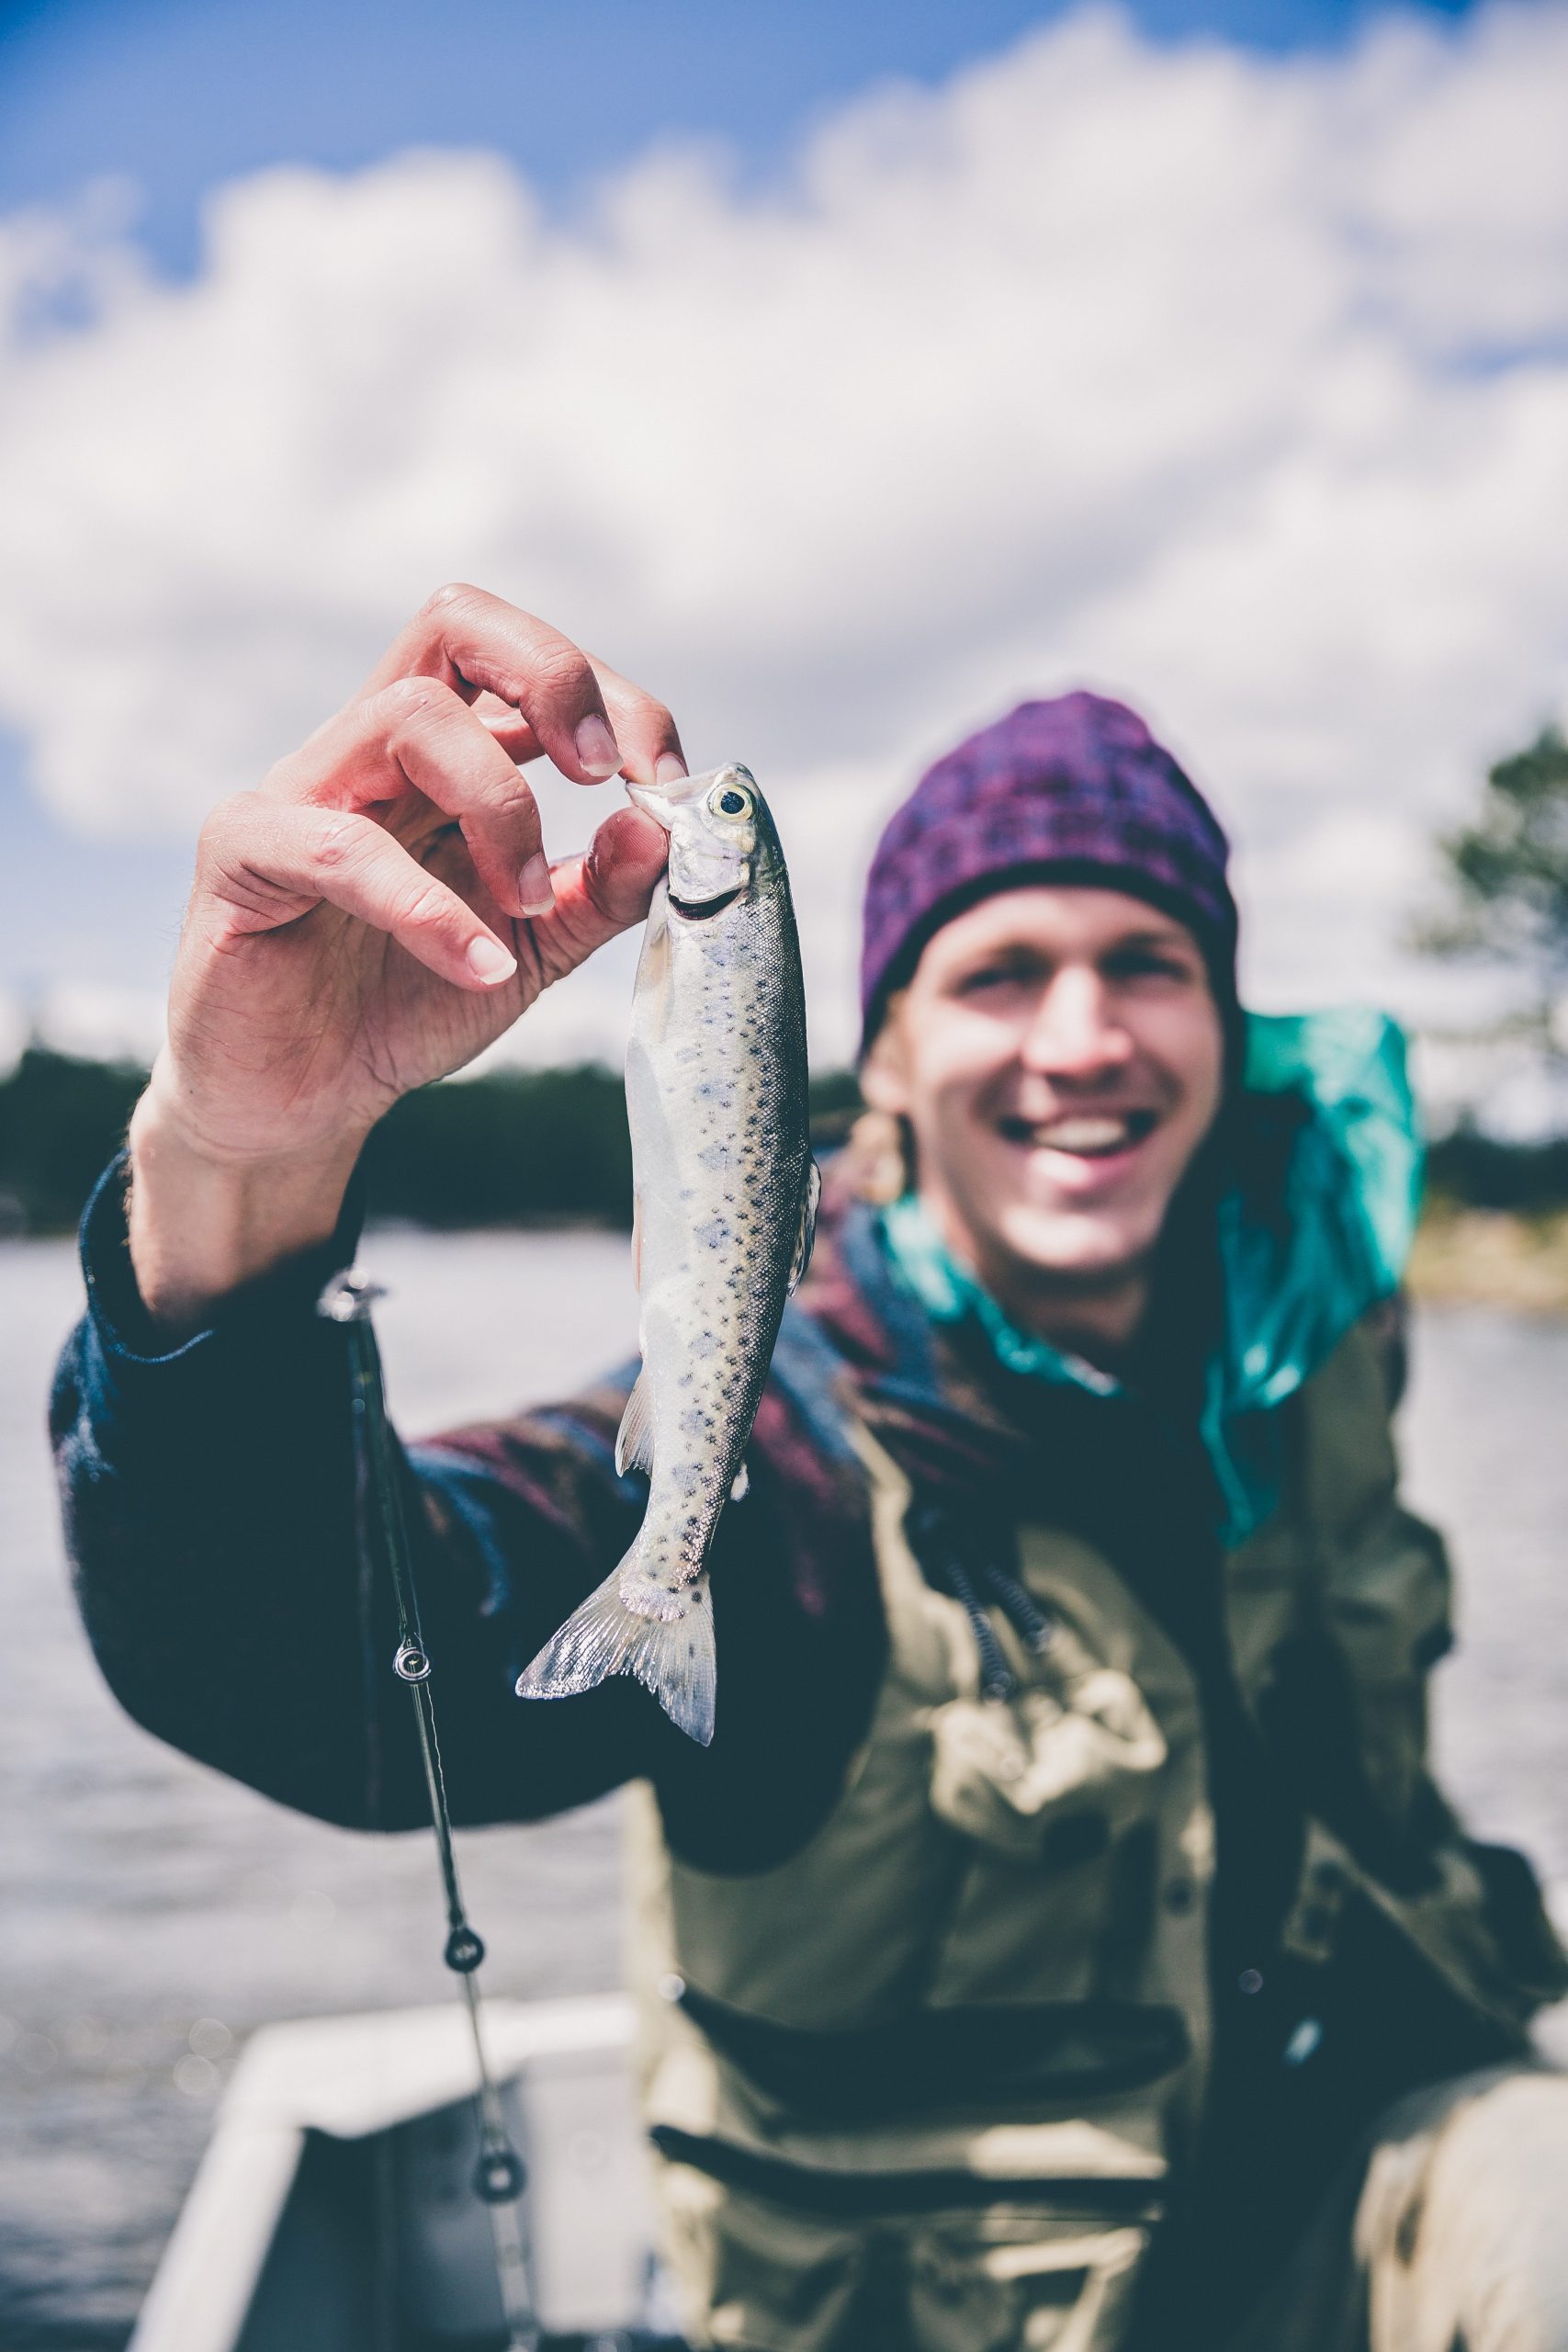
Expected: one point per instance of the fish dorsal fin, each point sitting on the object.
(742, 1485)
(634, 1439)
(807, 1233)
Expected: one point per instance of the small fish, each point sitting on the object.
(725, 1206)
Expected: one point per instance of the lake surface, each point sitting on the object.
(155, 1913)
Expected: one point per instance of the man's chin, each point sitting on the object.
(1077, 1256)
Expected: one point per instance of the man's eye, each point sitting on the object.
(989, 975)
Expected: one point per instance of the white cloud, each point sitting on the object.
(1239, 385)
(102, 1023)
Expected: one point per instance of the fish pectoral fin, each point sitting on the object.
(807, 1233)
(741, 1485)
(634, 1439)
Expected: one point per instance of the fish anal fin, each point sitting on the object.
(807, 1233)
(673, 1656)
(634, 1439)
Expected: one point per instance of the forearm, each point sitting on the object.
(202, 1224)
(210, 1496)
(208, 1493)
(210, 1488)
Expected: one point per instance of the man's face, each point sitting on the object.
(1059, 1057)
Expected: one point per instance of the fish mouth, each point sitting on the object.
(654, 800)
(661, 800)
(704, 909)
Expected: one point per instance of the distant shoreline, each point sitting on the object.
(1491, 1258)
(547, 1150)
(1462, 1256)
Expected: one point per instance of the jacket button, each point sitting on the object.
(1250, 1980)
(1180, 1895)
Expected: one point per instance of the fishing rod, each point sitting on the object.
(499, 2176)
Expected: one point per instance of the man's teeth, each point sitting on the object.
(1085, 1135)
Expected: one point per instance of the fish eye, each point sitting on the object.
(731, 800)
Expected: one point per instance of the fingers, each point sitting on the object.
(264, 862)
(477, 644)
(417, 731)
(645, 732)
(470, 687)
(644, 728)
(598, 894)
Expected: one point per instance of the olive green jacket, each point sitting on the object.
(985, 1983)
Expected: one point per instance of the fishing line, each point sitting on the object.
(499, 2176)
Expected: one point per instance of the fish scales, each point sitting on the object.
(708, 1099)
(725, 1195)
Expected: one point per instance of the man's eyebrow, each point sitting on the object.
(1157, 933)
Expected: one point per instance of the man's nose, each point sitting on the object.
(1074, 1032)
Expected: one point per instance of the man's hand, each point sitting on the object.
(371, 919)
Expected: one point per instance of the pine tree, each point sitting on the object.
(1508, 880)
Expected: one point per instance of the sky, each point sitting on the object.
(845, 375)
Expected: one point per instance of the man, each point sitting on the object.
(1034, 1955)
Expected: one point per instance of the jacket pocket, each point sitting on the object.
(1047, 1774)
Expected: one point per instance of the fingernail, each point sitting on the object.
(535, 891)
(597, 750)
(490, 962)
(669, 768)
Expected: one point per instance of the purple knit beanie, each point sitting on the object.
(1075, 790)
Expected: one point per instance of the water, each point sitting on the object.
(154, 1912)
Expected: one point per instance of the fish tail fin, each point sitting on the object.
(672, 1654)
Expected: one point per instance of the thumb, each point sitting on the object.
(601, 893)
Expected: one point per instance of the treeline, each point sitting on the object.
(1469, 1169)
(530, 1147)
(524, 1147)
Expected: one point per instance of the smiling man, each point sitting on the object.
(1062, 1941)
(1060, 1056)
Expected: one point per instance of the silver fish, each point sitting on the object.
(726, 1205)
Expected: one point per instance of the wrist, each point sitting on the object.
(203, 1221)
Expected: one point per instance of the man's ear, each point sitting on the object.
(885, 1073)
